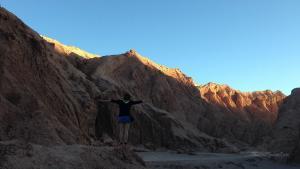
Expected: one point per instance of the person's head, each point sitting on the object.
(126, 96)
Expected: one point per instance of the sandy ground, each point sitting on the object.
(17, 154)
(247, 160)
(20, 155)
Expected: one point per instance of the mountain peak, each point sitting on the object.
(132, 52)
(172, 72)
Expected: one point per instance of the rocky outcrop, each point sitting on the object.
(153, 83)
(217, 110)
(48, 99)
(244, 117)
(69, 50)
(162, 121)
(48, 112)
(74, 55)
(43, 98)
(47, 92)
(287, 130)
(259, 105)
(236, 115)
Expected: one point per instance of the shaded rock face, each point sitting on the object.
(287, 130)
(171, 94)
(48, 99)
(43, 98)
(172, 104)
(169, 90)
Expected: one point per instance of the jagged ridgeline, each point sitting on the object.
(47, 93)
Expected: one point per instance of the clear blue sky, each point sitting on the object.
(247, 44)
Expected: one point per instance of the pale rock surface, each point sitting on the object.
(69, 50)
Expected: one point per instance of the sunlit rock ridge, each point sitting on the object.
(47, 99)
(240, 112)
(262, 105)
(68, 50)
(172, 72)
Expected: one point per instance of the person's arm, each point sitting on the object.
(136, 102)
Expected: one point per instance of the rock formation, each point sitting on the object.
(239, 116)
(287, 130)
(172, 104)
(259, 105)
(69, 50)
(47, 93)
(233, 115)
(48, 99)
(45, 102)
(43, 98)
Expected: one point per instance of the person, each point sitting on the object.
(124, 118)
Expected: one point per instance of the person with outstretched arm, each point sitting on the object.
(125, 118)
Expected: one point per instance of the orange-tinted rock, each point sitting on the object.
(261, 105)
(69, 50)
(236, 115)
